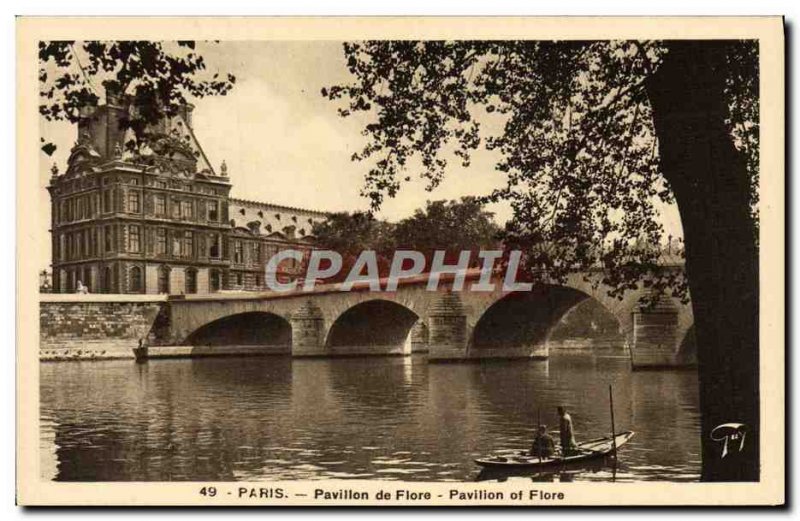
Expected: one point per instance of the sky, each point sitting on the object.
(284, 143)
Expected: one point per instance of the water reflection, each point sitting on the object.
(387, 418)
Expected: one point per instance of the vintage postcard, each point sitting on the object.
(400, 261)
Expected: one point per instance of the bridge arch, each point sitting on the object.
(589, 324)
(521, 323)
(374, 326)
(687, 349)
(247, 328)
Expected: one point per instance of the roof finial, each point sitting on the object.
(223, 168)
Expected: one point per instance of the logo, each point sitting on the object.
(732, 436)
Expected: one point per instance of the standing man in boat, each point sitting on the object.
(566, 432)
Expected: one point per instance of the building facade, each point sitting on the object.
(160, 220)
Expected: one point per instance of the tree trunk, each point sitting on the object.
(711, 186)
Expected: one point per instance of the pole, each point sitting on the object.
(539, 424)
(613, 432)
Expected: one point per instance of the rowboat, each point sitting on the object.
(585, 451)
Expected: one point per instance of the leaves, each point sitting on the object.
(578, 147)
(47, 148)
(158, 77)
(452, 226)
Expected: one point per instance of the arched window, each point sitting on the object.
(191, 280)
(136, 279)
(214, 281)
(163, 279)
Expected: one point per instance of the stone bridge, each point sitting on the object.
(449, 325)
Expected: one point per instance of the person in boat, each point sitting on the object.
(566, 432)
(543, 444)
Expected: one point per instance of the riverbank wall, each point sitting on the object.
(93, 327)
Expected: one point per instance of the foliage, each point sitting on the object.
(351, 233)
(453, 226)
(158, 77)
(576, 137)
(441, 225)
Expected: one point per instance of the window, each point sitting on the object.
(238, 279)
(87, 278)
(163, 279)
(213, 211)
(213, 248)
(107, 201)
(108, 280)
(134, 239)
(258, 280)
(176, 209)
(238, 256)
(161, 241)
(161, 205)
(186, 209)
(136, 279)
(134, 202)
(191, 280)
(213, 281)
(187, 245)
(256, 252)
(109, 238)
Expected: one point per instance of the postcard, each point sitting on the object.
(400, 261)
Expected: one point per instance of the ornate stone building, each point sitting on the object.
(160, 220)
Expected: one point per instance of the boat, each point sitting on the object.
(585, 451)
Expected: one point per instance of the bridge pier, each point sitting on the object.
(419, 337)
(447, 328)
(654, 338)
(308, 331)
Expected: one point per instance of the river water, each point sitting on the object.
(392, 418)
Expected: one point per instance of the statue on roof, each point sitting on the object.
(223, 169)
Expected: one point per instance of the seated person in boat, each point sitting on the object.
(566, 432)
(543, 444)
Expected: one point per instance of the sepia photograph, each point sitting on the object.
(500, 262)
